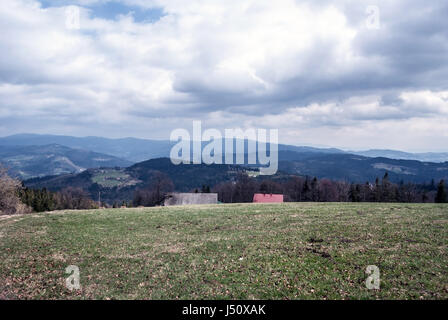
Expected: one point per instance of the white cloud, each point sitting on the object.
(284, 63)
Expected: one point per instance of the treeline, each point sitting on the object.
(298, 189)
(41, 200)
(15, 198)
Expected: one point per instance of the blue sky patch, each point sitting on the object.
(112, 9)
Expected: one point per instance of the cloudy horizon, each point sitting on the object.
(337, 74)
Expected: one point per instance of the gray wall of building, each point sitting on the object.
(175, 199)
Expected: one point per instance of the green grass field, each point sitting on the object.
(237, 251)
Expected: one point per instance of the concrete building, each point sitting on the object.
(177, 199)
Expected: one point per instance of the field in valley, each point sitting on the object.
(232, 251)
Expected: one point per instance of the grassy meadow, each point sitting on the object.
(232, 251)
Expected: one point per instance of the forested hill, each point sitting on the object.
(27, 162)
(355, 168)
(121, 183)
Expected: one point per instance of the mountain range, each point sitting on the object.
(94, 162)
(131, 149)
(137, 150)
(356, 168)
(400, 155)
(37, 161)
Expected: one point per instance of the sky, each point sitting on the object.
(352, 74)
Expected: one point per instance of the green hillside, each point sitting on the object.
(239, 251)
(118, 184)
(27, 162)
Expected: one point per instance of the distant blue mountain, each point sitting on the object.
(131, 149)
(400, 155)
(37, 161)
(27, 160)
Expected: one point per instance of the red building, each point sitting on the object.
(268, 198)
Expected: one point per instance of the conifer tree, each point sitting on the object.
(441, 192)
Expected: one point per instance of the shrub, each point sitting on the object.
(10, 202)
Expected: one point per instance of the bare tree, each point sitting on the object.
(328, 191)
(154, 194)
(74, 198)
(9, 199)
